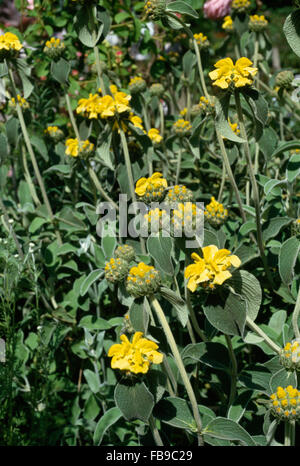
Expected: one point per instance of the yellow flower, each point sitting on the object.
(258, 23)
(182, 127)
(183, 112)
(143, 280)
(154, 135)
(75, 148)
(153, 183)
(106, 106)
(51, 129)
(21, 101)
(212, 268)
(201, 39)
(136, 121)
(53, 42)
(135, 356)
(72, 147)
(228, 23)
(10, 41)
(285, 403)
(241, 74)
(215, 213)
(240, 4)
(90, 106)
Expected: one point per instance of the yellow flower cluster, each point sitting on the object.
(285, 403)
(239, 74)
(227, 24)
(155, 135)
(125, 252)
(9, 46)
(201, 40)
(21, 101)
(183, 112)
(135, 356)
(211, 269)
(290, 355)
(116, 269)
(152, 188)
(106, 106)
(155, 8)
(215, 213)
(182, 127)
(137, 84)
(178, 193)
(143, 280)
(258, 23)
(54, 48)
(156, 219)
(184, 218)
(82, 148)
(54, 43)
(240, 5)
(54, 133)
(204, 105)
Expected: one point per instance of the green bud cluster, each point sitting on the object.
(290, 356)
(143, 280)
(116, 270)
(125, 252)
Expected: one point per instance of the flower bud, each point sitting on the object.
(201, 40)
(156, 220)
(54, 133)
(257, 23)
(285, 403)
(151, 189)
(116, 270)
(54, 48)
(143, 280)
(290, 356)
(155, 9)
(284, 79)
(215, 213)
(125, 252)
(177, 194)
(186, 219)
(182, 128)
(82, 149)
(240, 6)
(157, 89)
(137, 85)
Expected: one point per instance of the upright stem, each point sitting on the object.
(222, 185)
(255, 191)
(262, 334)
(200, 69)
(28, 178)
(130, 176)
(230, 174)
(255, 58)
(71, 116)
(155, 433)
(31, 153)
(178, 163)
(162, 118)
(92, 18)
(97, 184)
(169, 335)
(234, 372)
(295, 317)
